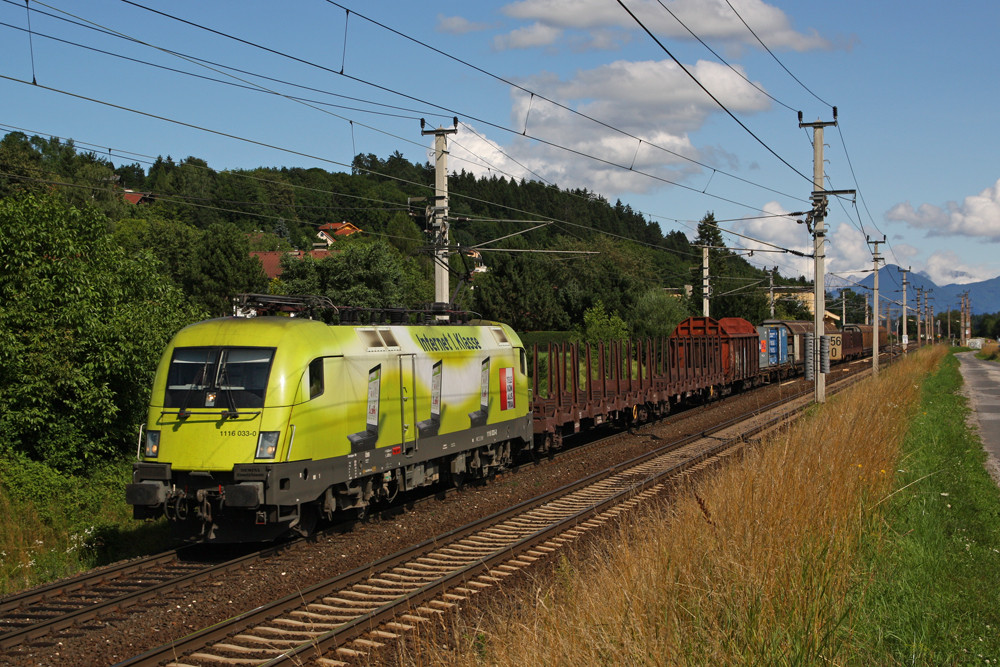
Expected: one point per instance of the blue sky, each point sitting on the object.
(914, 84)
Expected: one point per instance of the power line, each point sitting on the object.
(774, 56)
(723, 60)
(707, 92)
(535, 94)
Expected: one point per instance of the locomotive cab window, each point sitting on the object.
(315, 378)
(223, 377)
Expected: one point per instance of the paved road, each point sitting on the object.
(982, 387)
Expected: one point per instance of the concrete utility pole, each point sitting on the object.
(772, 291)
(906, 338)
(964, 335)
(815, 220)
(920, 315)
(439, 211)
(704, 281)
(967, 319)
(928, 323)
(877, 258)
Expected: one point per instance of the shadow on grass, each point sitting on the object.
(111, 543)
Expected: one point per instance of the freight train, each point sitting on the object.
(259, 426)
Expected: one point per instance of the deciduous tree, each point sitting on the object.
(82, 325)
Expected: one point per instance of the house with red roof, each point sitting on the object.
(332, 231)
(133, 197)
(271, 259)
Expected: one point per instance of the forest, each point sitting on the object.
(93, 286)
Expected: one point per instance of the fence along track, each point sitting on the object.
(350, 615)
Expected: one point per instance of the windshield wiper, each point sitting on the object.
(225, 386)
(183, 413)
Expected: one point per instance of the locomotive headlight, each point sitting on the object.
(152, 448)
(267, 444)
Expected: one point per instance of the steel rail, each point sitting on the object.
(51, 592)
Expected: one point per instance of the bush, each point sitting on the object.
(82, 327)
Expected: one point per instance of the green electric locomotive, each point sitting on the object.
(259, 426)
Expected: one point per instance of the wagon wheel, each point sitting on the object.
(544, 447)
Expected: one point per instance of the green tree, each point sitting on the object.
(222, 268)
(521, 290)
(736, 288)
(656, 314)
(599, 325)
(82, 325)
(173, 243)
(360, 275)
(856, 306)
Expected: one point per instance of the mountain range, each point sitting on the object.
(984, 296)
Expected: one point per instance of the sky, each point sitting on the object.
(676, 108)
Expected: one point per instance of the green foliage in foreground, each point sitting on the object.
(933, 597)
(82, 325)
(54, 525)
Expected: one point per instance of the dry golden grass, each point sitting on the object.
(750, 565)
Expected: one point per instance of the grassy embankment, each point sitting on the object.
(53, 525)
(990, 351)
(867, 534)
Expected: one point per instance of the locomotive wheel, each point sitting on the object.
(308, 518)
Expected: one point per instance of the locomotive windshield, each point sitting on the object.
(224, 377)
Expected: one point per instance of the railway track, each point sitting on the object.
(342, 620)
(37, 612)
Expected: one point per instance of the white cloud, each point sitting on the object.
(457, 25)
(846, 248)
(945, 267)
(653, 100)
(529, 37)
(977, 216)
(902, 253)
(709, 19)
(782, 232)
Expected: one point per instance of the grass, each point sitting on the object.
(990, 351)
(53, 526)
(933, 594)
(832, 544)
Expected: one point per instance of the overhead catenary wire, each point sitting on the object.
(766, 48)
(392, 177)
(709, 93)
(535, 94)
(721, 59)
(470, 151)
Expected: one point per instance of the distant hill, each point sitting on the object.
(984, 295)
